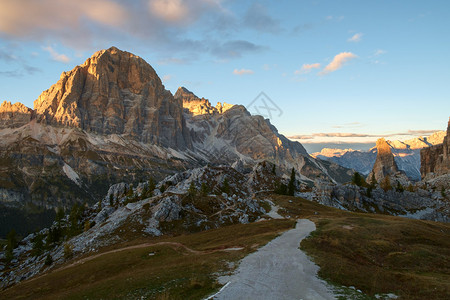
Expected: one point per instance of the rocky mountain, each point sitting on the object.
(111, 120)
(384, 164)
(435, 160)
(406, 155)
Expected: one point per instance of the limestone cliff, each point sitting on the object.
(197, 106)
(384, 163)
(14, 115)
(435, 160)
(115, 92)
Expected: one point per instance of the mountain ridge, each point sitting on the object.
(406, 155)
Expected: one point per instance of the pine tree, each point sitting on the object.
(225, 186)
(38, 245)
(373, 181)
(48, 260)
(291, 185)
(204, 189)
(192, 191)
(386, 183)
(10, 245)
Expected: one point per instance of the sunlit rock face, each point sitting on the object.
(114, 92)
(196, 106)
(14, 115)
(384, 164)
(435, 160)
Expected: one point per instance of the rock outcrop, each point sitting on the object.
(115, 92)
(384, 164)
(406, 155)
(435, 160)
(196, 106)
(14, 115)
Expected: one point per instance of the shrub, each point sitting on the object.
(291, 184)
(68, 251)
(48, 260)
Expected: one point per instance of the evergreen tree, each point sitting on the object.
(386, 183)
(59, 215)
(225, 186)
(48, 260)
(10, 245)
(357, 179)
(38, 245)
(399, 187)
(281, 189)
(204, 189)
(291, 184)
(192, 191)
(373, 181)
(111, 200)
(274, 171)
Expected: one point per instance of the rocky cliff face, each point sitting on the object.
(384, 163)
(114, 92)
(14, 115)
(435, 161)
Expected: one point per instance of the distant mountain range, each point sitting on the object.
(406, 154)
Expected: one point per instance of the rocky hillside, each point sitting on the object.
(111, 120)
(406, 155)
(187, 202)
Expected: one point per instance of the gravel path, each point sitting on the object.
(279, 270)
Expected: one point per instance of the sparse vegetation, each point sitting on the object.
(358, 180)
(291, 184)
(386, 183)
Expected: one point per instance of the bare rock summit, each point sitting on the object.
(14, 115)
(114, 92)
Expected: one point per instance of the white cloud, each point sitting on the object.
(306, 68)
(379, 52)
(337, 63)
(169, 10)
(56, 56)
(356, 37)
(166, 77)
(242, 72)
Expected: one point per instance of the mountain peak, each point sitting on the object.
(114, 92)
(384, 164)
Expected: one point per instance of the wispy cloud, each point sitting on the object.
(56, 56)
(348, 125)
(379, 52)
(360, 135)
(167, 77)
(356, 38)
(306, 68)
(258, 18)
(235, 49)
(23, 67)
(165, 25)
(337, 63)
(242, 72)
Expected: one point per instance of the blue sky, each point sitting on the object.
(340, 71)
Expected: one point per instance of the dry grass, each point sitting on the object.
(377, 253)
(168, 273)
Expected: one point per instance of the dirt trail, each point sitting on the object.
(279, 270)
